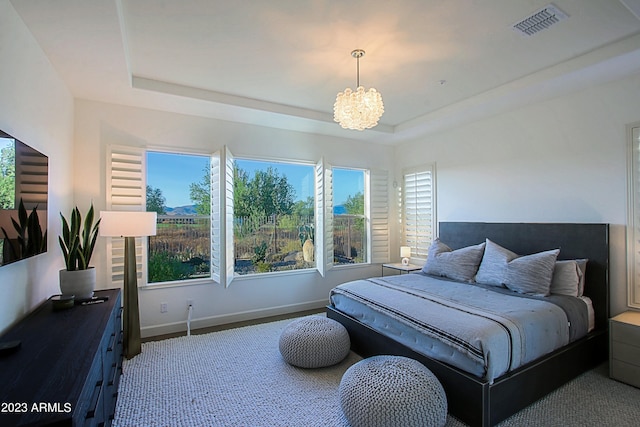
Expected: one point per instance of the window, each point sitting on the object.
(178, 189)
(273, 216)
(261, 215)
(633, 228)
(418, 209)
(350, 243)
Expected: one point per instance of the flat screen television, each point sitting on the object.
(24, 188)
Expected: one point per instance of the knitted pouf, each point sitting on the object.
(314, 342)
(392, 391)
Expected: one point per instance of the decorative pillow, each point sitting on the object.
(531, 274)
(460, 264)
(494, 264)
(568, 277)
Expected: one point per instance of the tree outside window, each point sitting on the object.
(181, 249)
(273, 216)
(349, 217)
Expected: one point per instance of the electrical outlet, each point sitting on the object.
(164, 307)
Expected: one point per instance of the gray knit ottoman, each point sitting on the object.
(314, 342)
(392, 391)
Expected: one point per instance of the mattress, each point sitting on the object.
(485, 331)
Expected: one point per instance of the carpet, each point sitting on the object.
(237, 377)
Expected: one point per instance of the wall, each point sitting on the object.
(563, 160)
(100, 124)
(37, 109)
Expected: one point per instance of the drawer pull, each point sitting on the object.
(112, 341)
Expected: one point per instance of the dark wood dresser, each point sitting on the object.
(67, 370)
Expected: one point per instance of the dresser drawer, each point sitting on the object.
(625, 353)
(626, 333)
(625, 372)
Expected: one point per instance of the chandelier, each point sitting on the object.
(361, 109)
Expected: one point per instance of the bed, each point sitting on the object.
(487, 397)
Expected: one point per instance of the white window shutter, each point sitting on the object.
(229, 255)
(31, 174)
(217, 189)
(378, 216)
(418, 213)
(126, 191)
(324, 217)
(328, 215)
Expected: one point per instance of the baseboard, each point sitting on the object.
(206, 322)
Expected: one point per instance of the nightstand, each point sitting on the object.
(401, 267)
(624, 354)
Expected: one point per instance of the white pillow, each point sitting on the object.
(568, 277)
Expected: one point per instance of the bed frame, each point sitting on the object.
(472, 399)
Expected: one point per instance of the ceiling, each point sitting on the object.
(437, 63)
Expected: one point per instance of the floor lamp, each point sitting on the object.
(129, 225)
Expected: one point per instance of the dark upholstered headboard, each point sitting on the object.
(589, 241)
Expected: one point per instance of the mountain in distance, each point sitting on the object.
(337, 210)
(181, 210)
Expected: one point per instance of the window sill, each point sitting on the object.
(352, 266)
(177, 284)
(253, 276)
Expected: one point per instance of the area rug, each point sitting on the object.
(237, 377)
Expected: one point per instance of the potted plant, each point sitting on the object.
(77, 243)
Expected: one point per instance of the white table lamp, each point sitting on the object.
(405, 253)
(129, 225)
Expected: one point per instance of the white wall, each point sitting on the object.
(562, 160)
(36, 108)
(99, 124)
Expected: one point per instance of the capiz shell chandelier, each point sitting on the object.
(361, 109)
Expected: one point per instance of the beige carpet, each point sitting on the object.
(238, 378)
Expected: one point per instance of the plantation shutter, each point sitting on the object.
(378, 215)
(31, 174)
(229, 255)
(216, 223)
(126, 191)
(634, 219)
(323, 240)
(418, 210)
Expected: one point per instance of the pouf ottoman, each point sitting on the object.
(392, 391)
(314, 342)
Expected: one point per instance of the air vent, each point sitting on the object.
(540, 20)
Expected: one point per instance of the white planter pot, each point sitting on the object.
(80, 283)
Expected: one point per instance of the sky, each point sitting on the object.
(173, 173)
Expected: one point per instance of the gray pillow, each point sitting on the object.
(460, 264)
(568, 277)
(494, 264)
(531, 274)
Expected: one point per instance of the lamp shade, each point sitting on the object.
(127, 224)
(405, 252)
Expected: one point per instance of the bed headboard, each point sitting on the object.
(589, 241)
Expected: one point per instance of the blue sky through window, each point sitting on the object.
(173, 173)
